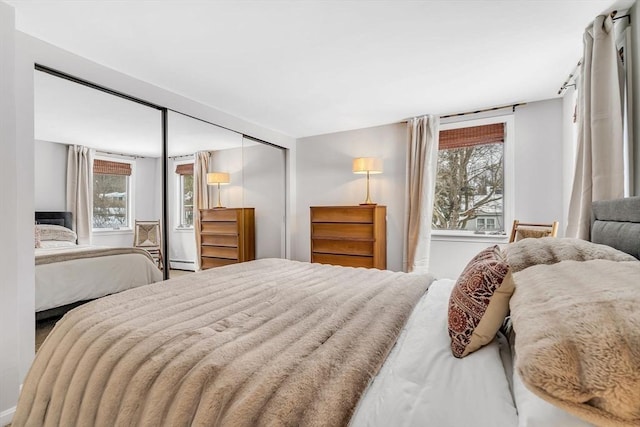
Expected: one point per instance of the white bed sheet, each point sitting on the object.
(422, 384)
(66, 282)
(536, 412)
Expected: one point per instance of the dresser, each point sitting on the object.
(352, 236)
(227, 236)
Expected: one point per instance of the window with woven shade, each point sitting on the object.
(112, 194)
(184, 172)
(470, 180)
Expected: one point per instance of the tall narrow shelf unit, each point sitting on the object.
(352, 236)
(227, 236)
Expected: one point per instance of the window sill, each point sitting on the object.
(113, 231)
(183, 229)
(458, 236)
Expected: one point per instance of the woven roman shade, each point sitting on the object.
(184, 169)
(471, 136)
(106, 167)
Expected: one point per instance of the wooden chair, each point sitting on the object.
(148, 236)
(522, 230)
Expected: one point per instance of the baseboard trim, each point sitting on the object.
(183, 265)
(6, 416)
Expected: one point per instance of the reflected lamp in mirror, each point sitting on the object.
(218, 178)
(368, 165)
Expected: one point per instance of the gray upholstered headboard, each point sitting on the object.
(616, 223)
(56, 218)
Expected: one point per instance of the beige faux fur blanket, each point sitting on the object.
(577, 327)
(270, 342)
(550, 250)
(49, 256)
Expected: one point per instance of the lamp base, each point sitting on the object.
(368, 204)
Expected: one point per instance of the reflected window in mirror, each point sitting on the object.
(112, 193)
(184, 175)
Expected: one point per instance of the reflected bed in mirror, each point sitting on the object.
(67, 273)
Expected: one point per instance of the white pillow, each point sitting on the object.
(536, 412)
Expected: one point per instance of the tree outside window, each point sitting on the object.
(184, 172)
(186, 193)
(111, 194)
(470, 179)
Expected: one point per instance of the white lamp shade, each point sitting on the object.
(367, 164)
(214, 178)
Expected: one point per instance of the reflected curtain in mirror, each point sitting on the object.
(80, 190)
(200, 194)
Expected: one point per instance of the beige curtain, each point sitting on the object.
(599, 173)
(422, 163)
(80, 190)
(200, 194)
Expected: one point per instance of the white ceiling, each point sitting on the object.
(70, 113)
(311, 67)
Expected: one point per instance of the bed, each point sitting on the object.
(278, 342)
(68, 274)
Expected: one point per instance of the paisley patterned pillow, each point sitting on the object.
(479, 302)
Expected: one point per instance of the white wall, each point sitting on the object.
(9, 317)
(635, 59)
(50, 179)
(17, 322)
(264, 190)
(324, 178)
(539, 177)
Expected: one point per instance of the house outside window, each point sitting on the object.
(184, 172)
(112, 194)
(470, 183)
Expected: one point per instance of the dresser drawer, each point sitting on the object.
(346, 247)
(342, 231)
(207, 262)
(220, 252)
(344, 260)
(345, 214)
(220, 240)
(218, 215)
(220, 228)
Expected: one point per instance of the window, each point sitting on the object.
(185, 194)
(469, 193)
(111, 194)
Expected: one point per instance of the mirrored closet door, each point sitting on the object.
(117, 160)
(226, 196)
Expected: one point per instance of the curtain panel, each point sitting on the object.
(422, 164)
(201, 199)
(599, 172)
(80, 191)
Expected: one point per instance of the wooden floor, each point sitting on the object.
(177, 273)
(43, 327)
